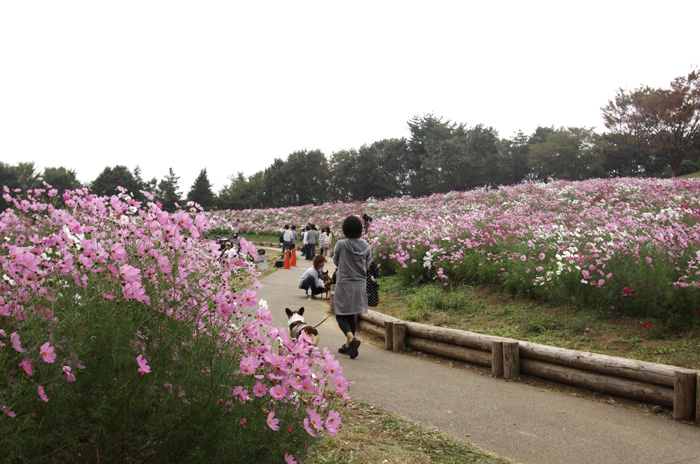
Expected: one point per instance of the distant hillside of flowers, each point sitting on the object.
(625, 244)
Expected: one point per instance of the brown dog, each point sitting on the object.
(327, 282)
(297, 325)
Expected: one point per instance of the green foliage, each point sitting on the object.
(61, 179)
(113, 414)
(20, 176)
(108, 181)
(661, 124)
(201, 192)
(242, 193)
(568, 153)
(168, 191)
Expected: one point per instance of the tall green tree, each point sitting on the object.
(277, 186)
(306, 177)
(394, 165)
(343, 171)
(201, 191)
(567, 153)
(61, 179)
(110, 179)
(432, 146)
(660, 127)
(242, 193)
(168, 191)
(21, 176)
(513, 159)
(449, 156)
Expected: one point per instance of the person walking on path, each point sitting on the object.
(286, 238)
(295, 237)
(352, 258)
(311, 240)
(326, 240)
(311, 281)
(304, 243)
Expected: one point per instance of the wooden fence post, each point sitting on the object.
(697, 400)
(389, 335)
(511, 360)
(399, 335)
(684, 392)
(497, 359)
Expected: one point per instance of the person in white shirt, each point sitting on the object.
(326, 240)
(286, 238)
(311, 281)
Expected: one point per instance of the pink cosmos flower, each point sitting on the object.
(130, 273)
(27, 366)
(333, 367)
(47, 353)
(340, 384)
(542, 255)
(278, 392)
(69, 376)
(272, 421)
(309, 429)
(42, 395)
(16, 343)
(333, 422)
(305, 385)
(249, 298)
(289, 459)
(164, 265)
(259, 389)
(242, 421)
(144, 368)
(182, 219)
(249, 364)
(315, 419)
(118, 252)
(300, 368)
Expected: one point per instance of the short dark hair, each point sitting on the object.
(286, 226)
(352, 227)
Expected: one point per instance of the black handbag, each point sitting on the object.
(372, 285)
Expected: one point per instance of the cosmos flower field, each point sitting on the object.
(627, 245)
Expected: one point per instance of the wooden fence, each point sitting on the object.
(668, 386)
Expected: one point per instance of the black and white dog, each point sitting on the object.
(297, 325)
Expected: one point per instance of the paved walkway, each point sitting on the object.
(511, 419)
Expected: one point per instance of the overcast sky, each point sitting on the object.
(230, 86)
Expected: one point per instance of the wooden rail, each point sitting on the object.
(668, 386)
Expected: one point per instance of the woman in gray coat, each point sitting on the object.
(352, 258)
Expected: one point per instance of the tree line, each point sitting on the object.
(651, 132)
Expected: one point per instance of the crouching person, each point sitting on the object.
(312, 281)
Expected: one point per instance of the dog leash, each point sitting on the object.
(323, 320)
